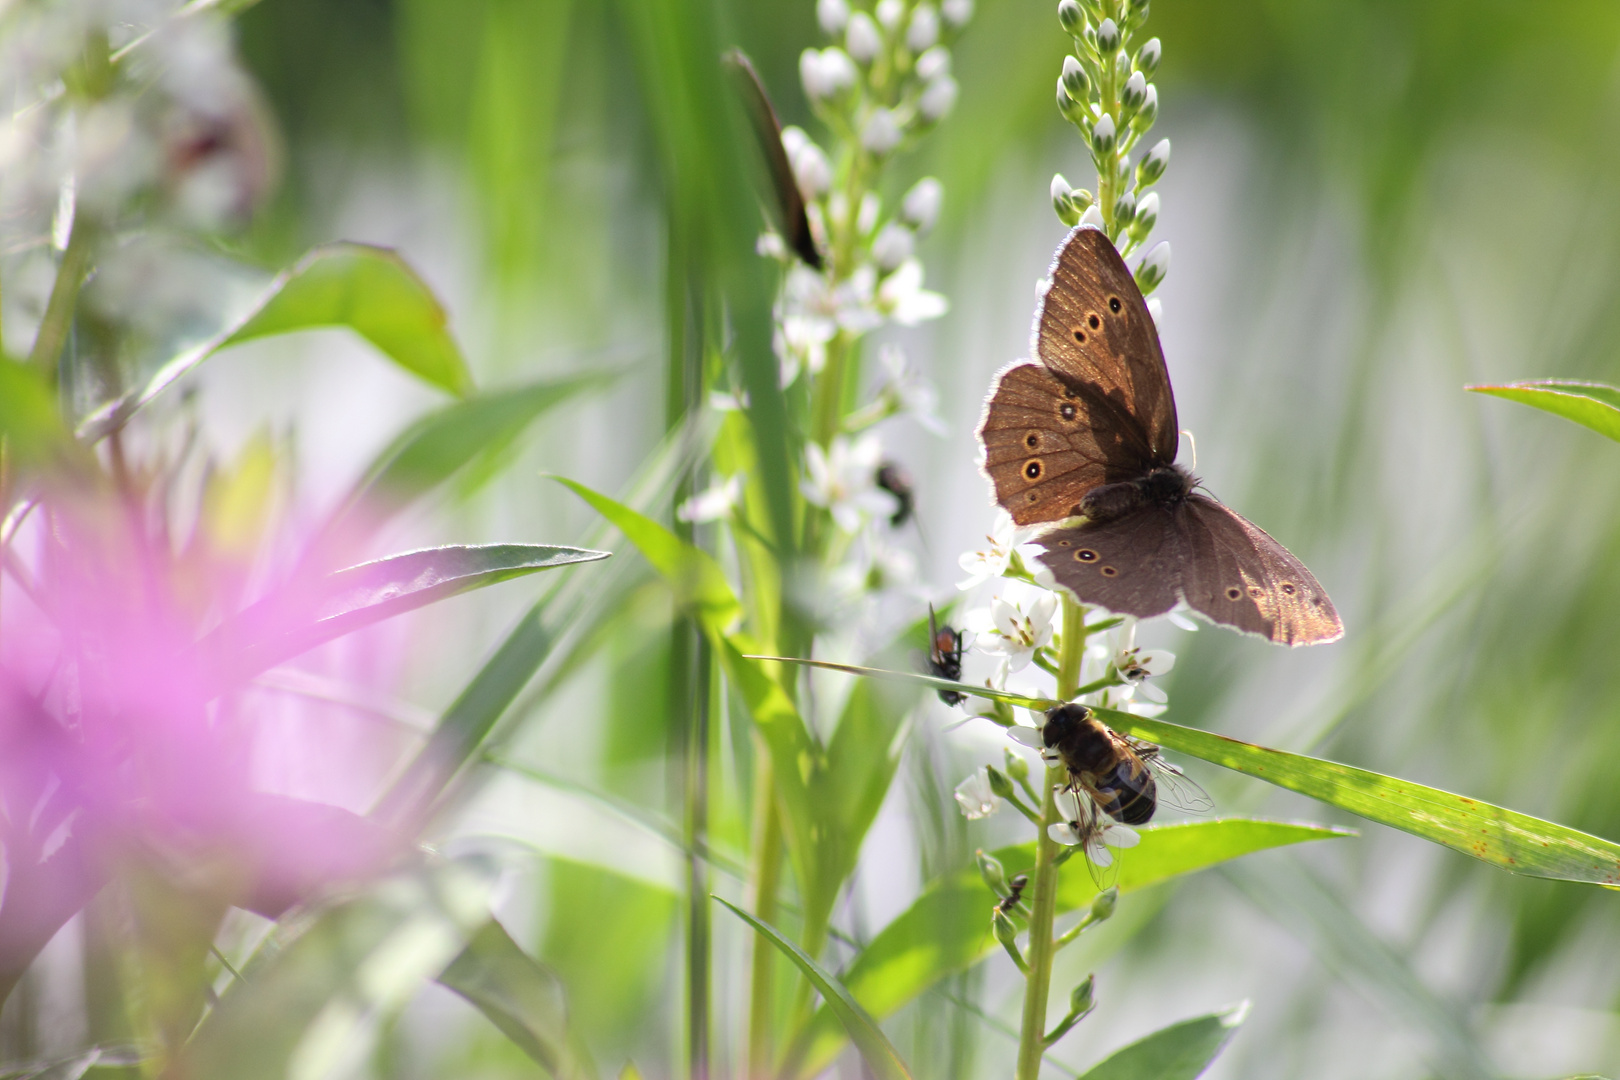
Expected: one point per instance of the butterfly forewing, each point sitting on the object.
(1041, 450)
(1093, 328)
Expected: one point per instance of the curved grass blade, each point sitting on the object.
(1515, 842)
(1593, 404)
(946, 930)
(521, 997)
(437, 446)
(370, 290)
(277, 629)
(875, 1048)
(988, 692)
(1179, 1052)
(697, 579)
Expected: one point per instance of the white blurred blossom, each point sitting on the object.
(715, 503)
(862, 39)
(1013, 631)
(975, 797)
(881, 132)
(892, 246)
(843, 479)
(905, 300)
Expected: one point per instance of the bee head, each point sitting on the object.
(1064, 721)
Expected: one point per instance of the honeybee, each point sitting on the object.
(1123, 777)
(945, 657)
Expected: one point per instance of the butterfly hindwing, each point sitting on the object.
(1093, 328)
(1131, 565)
(1244, 579)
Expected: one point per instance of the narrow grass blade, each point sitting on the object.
(370, 290)
(1179, 1052)
(947, 929)
(918, 679)
(436, 447)
(278, 629)
(1504, 838)
(697, 579)
(1593, 404)
(875, 1048)
(521, 997)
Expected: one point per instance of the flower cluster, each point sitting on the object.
(128, 124)
(1105, 93)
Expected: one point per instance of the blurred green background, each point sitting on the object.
(1371, 204)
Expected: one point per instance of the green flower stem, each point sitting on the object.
(767, 863)
(1043, 905)
(1068, 936)
(70, 275)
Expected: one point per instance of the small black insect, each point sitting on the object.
(945, 657)
(893, 478)
(1015, 893)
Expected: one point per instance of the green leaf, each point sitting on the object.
(519, 996)
(1504, 838)
(277, 629)
(699, 584)
(947, 929)
(1593, 404)
(31, 423)
(435, 447)
(875, 1048)
(303, 1003)
(1179, 1052)
(370, 290)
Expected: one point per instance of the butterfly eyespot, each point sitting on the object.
(1067, 410)
(1085, 555)
(1063, 543)
(1032, 440)
(1256, 591)
(1079, 335)
(1287, 589)
(1107, 571)
(1032, 470)
(1317, 601)
(1234, 593)
(1093, 320)
(1113, 304)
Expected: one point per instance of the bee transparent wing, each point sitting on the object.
(1176, 789)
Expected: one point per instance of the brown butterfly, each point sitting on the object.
(1089, 431)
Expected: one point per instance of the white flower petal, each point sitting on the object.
(1064, 834)
(1156, 661)
(1121, 836)
(1028, 736)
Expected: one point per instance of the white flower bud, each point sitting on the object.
(1154, 268)
(889, 13)
(1060, 201)
(812, 170)
(825, 74)
(833, 15)
(1092, 217)
(920, 207)
(1147, 215)
(793, 139)
(1147, 58)
(863, 39)
(1155, 308)
(1149, 111)
(1071, 17)
(957, 12)
(933, 63)
(1107, 37)
(937, 100)
(1151, 167)
(1135, 91)
(1125, 209)
(881, 134)
(892, 246)
(1074, 78)
(867, 217)
(924, 29)
(1102, 136)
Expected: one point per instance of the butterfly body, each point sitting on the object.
(1085, 438)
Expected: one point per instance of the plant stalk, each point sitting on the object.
(1043, 903)
(58, 320)
(767, 861)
